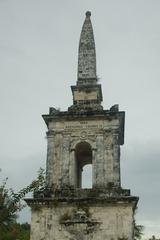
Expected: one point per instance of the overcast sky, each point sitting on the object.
(38, 63)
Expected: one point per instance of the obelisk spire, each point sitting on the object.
(87, 93)
(87, 54)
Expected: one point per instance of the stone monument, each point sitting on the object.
(85, 134)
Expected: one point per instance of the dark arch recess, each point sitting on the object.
(83, 156)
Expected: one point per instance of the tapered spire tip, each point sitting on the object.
(88, 14)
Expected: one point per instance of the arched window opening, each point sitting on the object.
(83, 157)
(87, 176)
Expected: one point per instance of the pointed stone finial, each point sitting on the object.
(88, 14)
(87, 54)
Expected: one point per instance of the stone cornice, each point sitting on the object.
(133, 200)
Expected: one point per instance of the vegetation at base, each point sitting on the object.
(154, 238)
(138, 229)
(17, 231)
(11, 204)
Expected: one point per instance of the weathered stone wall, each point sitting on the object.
(82, 95)
(66, 221)
(103, 137)
(82, 135)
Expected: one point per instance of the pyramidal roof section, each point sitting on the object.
(87, 54)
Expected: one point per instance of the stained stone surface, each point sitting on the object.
(87, 53)
(104, 133)
(87, 94)
(69, 221)
(85, 134)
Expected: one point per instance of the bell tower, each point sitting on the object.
(85, 134)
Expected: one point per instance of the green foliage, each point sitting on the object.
(11, 204)
(138, 229)
(17, 232)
